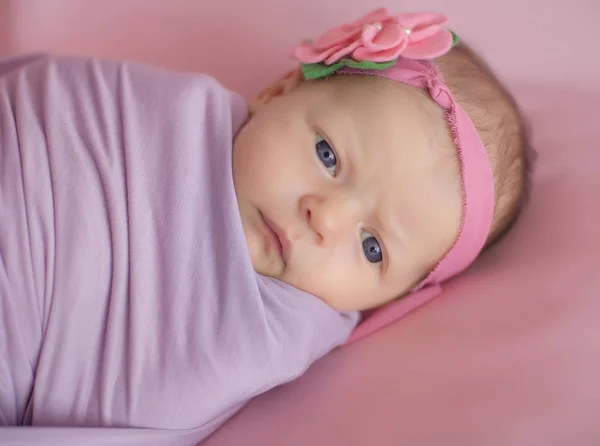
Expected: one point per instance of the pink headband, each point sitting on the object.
(387, 46)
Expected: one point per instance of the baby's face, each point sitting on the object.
(348, 189)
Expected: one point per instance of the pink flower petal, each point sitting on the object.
(342, 34)
(306, 53)
(419, 34)
(389, 37)
(363, 53)
(365, 41)
(368, 34)
(431, 47)
(340, 54)
(379, 15)
(420, 20)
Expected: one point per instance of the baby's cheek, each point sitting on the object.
(286, 177)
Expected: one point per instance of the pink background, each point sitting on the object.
(510, 355)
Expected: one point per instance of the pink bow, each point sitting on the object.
(380, 37)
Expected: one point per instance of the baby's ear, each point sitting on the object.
(282, 87)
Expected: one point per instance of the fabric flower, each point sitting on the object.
(380, 37)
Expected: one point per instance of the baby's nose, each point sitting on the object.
(331, 217)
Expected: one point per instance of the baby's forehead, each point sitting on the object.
(379, 101)
(386, 108)
(370, 90)
(396, 126)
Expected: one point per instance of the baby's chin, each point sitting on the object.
(269, 269)
(263, 262)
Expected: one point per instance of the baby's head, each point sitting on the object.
(351, 188)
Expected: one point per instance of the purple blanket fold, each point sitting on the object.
(127, 295)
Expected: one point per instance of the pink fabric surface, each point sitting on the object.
(510, 353)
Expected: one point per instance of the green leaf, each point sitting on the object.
(455, 39)
(317, 70)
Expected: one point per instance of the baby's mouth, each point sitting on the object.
(277, 237)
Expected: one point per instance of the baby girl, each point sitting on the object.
(166, 255)
(398, 209)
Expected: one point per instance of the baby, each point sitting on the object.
(137, 207)
(378, 203)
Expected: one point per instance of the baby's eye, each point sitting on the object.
(326, 155)
(371, 248)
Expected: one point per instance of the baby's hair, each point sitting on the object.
(501, 126)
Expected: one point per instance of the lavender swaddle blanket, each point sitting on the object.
(127, 295)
